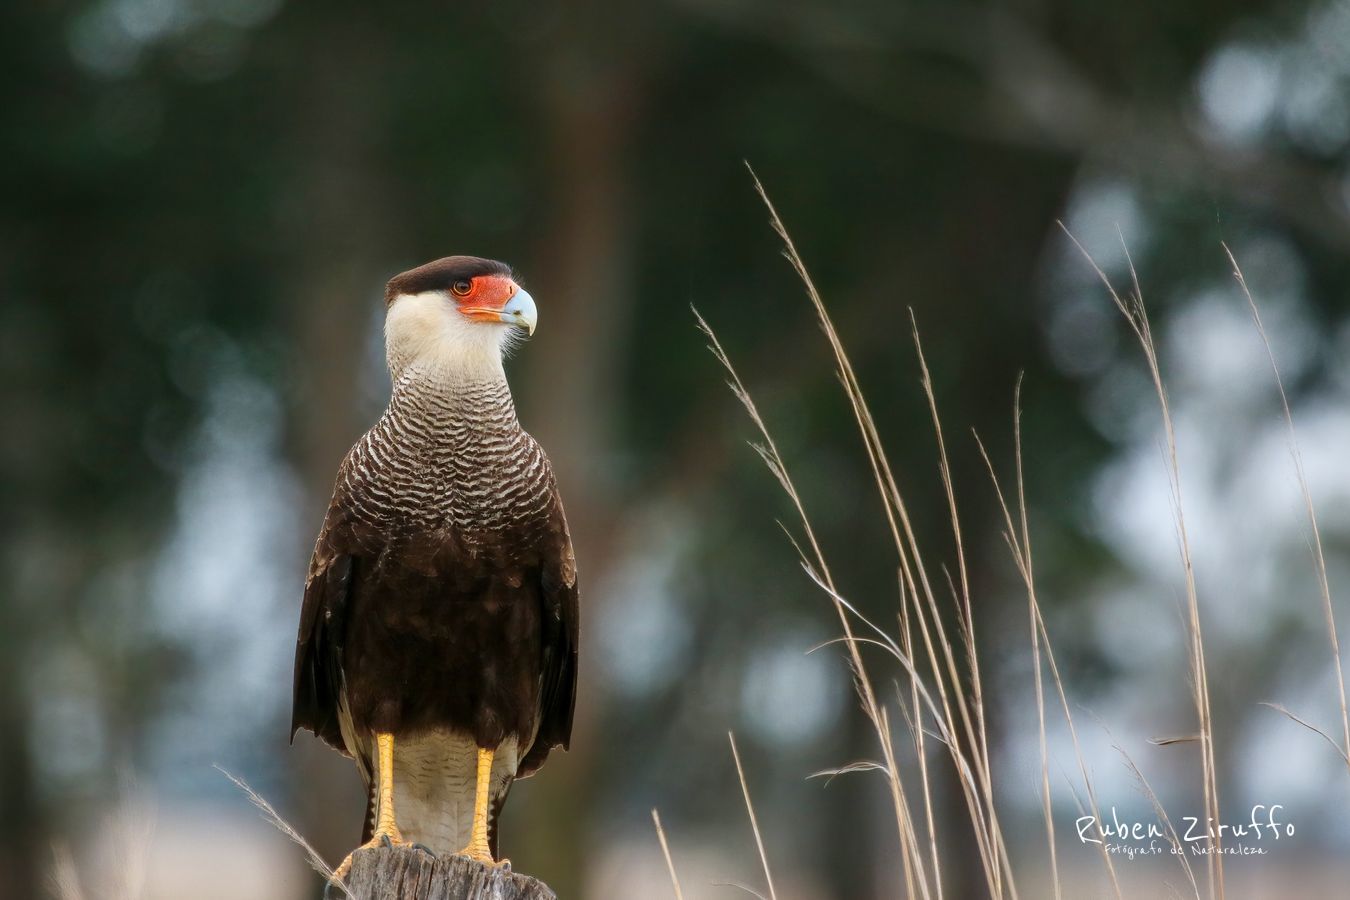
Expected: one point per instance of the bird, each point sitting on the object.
(437, 644)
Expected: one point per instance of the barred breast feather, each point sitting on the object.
(441, 602)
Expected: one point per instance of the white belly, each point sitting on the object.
(435, 777)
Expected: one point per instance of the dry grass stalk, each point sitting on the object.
(768, 451)
(940, 653)
(1132, 308)
(754, 823)
(1172, 837)
(1021, 551)
(958, 718)
(958, 715)
(1319, 558)
(1022, 556)
(1311, 727)
(965, 619)
(316, 862)
(665, 851)
(919, 732)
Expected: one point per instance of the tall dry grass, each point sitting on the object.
(1315, 530)
(942, 700)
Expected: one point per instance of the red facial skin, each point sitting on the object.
(485, 298)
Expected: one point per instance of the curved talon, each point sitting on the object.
(387, 835)
(425, 849)
(338, 880)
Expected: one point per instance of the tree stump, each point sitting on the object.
(402, 873)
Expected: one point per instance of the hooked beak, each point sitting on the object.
(520, 310)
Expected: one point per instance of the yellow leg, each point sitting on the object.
(384, 807)
(386, 831)
(478, 848)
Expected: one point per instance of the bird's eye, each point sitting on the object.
(462, 287)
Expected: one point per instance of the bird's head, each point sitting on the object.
(457, 313)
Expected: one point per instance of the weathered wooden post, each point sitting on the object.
(403, 873)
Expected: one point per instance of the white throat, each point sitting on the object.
(425, 336)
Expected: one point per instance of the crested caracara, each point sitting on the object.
(438, 632)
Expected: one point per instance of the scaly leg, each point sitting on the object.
(386, 832)
(478, 848)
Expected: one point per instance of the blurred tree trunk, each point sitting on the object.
(338, 238)
(571, 392)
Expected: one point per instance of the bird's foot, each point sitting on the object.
(484, 856)
(383, 839)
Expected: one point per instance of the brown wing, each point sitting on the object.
(561, 620)
(323, 625)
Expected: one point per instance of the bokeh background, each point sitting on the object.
(200, 201)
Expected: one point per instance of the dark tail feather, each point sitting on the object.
(368, 827)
